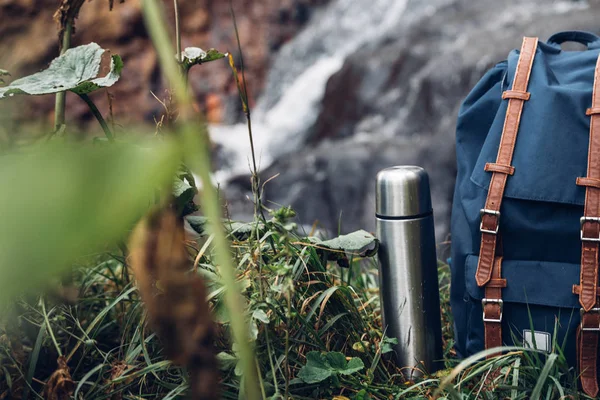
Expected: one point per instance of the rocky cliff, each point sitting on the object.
(29, 40)
(394, 100)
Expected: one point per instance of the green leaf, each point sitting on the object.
(243, 230)
(322, 366)
(261, 316)
(184, 194)
(195, 55)
(315, 370)
(362, 395)
(354, 365)
(239, 230)
(226, 361)
(198, 223)
(336, 360)
(76, 70)
(387, 344)
(3, 72)
(61, 202)
(360, 243)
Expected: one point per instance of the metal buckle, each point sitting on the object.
(581, 312)
(582, 221)
(484, 211)
(485, 301)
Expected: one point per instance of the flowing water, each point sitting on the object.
(297, 80)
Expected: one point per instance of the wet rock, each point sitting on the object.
(30, 41)
(395, 102)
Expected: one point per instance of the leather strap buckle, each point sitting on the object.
(582, 221)
(484, 211)
(485, 301)
(592, 329)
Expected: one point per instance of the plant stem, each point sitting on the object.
(177, 32)
(243, 91)
(195, 146)
(287, 345)
(59, 105)
(98, 116)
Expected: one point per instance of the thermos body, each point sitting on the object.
(408, 268)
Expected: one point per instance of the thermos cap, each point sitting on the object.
(402, 191)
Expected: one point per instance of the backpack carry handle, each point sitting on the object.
(589, 39)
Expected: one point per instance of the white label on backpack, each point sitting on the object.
(542, 340)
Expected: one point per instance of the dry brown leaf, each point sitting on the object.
(177, 308)
(60, 386)
(68, 10)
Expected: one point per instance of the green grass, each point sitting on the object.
(298, 303)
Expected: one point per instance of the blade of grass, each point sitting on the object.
(47, 322)
(515, 378)
(33, 360)
(99, 318)
(537, 390)
(86, 377)
(195, 142)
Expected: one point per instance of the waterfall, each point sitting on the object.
(298, 77)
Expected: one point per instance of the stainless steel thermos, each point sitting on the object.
(408, 268)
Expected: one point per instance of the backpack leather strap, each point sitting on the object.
(493, 307)
(590, 237)
(490, 215)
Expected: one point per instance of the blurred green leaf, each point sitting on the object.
(61, 202)
(76, 70)
(238, 230)
(183, 194)
(3, 72)
(226, 361)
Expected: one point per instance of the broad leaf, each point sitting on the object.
(238, 230)
(387, 344)
(360, 243)
(195, 55)
(261, 316)
(226, 361)
(198, 223)
(77, 70)
(336, 360)
(184, 194)
(354, 365)
(61, 202)
(322, 366)
(315, 370)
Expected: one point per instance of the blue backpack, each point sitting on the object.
(526, 212)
